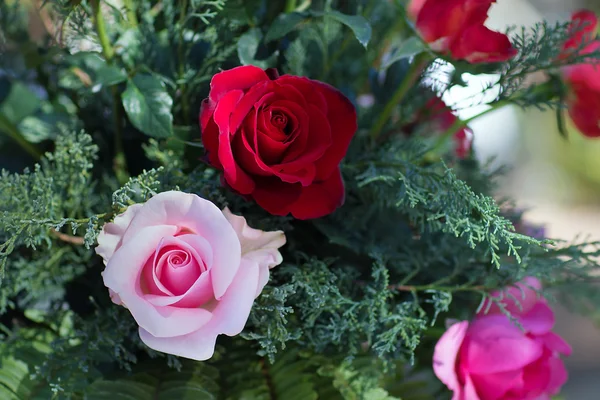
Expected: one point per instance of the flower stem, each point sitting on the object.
(130, 12)
(410, 288)
(107, 49)
(13, 132)
(119, 162)
(185, 109)
(290, 6)
(411, 77)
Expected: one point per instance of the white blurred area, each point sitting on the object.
(557, 180)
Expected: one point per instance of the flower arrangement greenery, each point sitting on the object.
(251, 199)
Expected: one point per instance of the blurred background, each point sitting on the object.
(556, 179)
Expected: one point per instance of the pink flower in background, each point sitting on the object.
(186, 270)
(583, 80)
(491, 358)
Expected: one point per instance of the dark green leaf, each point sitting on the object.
(20, 102)
(36, 129)
(148, 106)
(110, 75)
(408, 48)
(357, 23)
(284, 24)
(247, 47)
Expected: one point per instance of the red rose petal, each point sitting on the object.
(246, 157)
(478, 44)
(210, 140)
(317, 141)
(235, 176)
(320, 198)
(207, 108)
(307, 90)
(439, 19)
(239, 78)
(271, 150)
(289, 93)
(275, 196)
(251, 99)
(343, 123)
(583, 29)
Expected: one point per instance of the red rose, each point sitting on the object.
(278, 139)
(457, 27)
(441, 117)
(583, 80)
(584, 24)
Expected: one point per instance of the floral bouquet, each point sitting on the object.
(251, 199)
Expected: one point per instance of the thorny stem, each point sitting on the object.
(119, 163)
(13, 132)
(416, 68)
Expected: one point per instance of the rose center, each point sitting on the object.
(280, 121)
(177, 260)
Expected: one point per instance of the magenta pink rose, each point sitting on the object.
(491, 358)
(186, 270)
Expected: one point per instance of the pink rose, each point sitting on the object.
(491, 358)
(186, 270)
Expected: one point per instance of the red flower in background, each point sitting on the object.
(457, 27)
(583, 80)
(278, 140)
(437, 113)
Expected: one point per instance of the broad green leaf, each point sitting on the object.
(410, 47)
(110, 75)
(129, 47)
(43, 125)
(357, 23)
(148, 106)
(284, 24)
(247, 47)
(20, 102)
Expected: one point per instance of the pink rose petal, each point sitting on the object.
(229, 317)
(110, 236)
(495, 344)
(258, 246)
(446, 352)
(122, 275)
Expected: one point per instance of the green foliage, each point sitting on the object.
(156, 381)
(56, 193)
